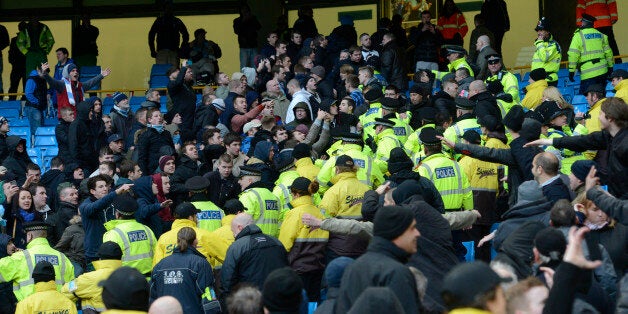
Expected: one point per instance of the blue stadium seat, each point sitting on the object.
(159, 69)
(567, 93)
(135, 107)
(90, 71)
(51, 121)
(610, 94)
(159, 81)
(11, 104)
(526, 77)
(563, 72)
(33, 152)
(610, 87)
(579, 99)
(18, 122)
(580, 108)
(107, 101)
(106, 109)
(49, 151)
(137, 100)
(37, 161)
(45, 141)
(470, 246)
(10, 113)
(621, 66)
(518, 76)
(23, 132)
(45, 130)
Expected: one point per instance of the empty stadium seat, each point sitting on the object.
(580, 108)
(11, 104)
(579, 99)
(137, 100)
(45, 140)
(51, 151)
(33, 152)
(23, 132)
(159, 69)
(107, 101)
(518, 76)
(563, 72)
(10, 113)
(45, 130)
(18, 122)
(159, 81)
(567, 93)
(51, 121)
(621, 66)
(526, 77)
(610, 94)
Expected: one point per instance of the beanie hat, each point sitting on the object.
(302, 128)
(529, 192)
(581, 168)
(233, 206)
(405, 190)
(514, 118)
(110, 250)
(538, 74)
(125, 289)
(67, 69)
(282, 291)
(43, 272)
(550, 242)
(163, 160)
(301, 184)
(319, 71)
(335, 269)
(302, 150)
(392, 221)
(373, 94)
(118, 97)
(399, 160)
(489, 122)
(472, 136)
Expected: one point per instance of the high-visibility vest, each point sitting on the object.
(605, 12)
(265, 209)
(401, 129)
(455, 132)
(136, 240)
(367, 119)
(368, 172)
(590, 53)
(547, 55)
(453, 66)
(510, 83)
(210, 217)
(19, 266)
(282, 189)
(450, 181)
(413, 144)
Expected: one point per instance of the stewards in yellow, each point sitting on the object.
(589, 53)
(46, 298)
(548, 52)
(136, 240)
(18, 267)
(595, 98)
(620, 84)
(449, 179)
(465, 120)
(538, 83)
(302, 153)
(373, 97)
(259, 201)
(385, 141)
(213, 247)
(344, 200)
(232, 207)
(210, 215)
(306, 247)
(368, 172)
(284, 163)
(85, 287)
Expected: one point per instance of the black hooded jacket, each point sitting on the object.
(149, 145)
(486, 104)
(16, 162)
(518, 215)
(81, 140)
(516, 250)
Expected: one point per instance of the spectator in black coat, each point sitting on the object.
(184, 102)
(17, 159)
(206, 115)
(246, 27)
(485, 102)
(61, 133)
(51, 180)
(223, 185)
(305, 24)
(400, 33)
(4, 129)
(167, 29)
(495, 13)
(426, 40)
(343, 36)
(81, 140)
(392, 62)
(68, 208)
(186, 168)
(150, 142)
(545, 171)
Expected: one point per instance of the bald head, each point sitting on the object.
(476, 87)
(166, 305)
(484, 40)
(240, 221)
(548, 162)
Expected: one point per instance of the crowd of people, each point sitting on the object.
(318, 177)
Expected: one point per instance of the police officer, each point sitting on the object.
(456, 57)
(18, 267)
(391, 107)
(367, 119)
(413, 145)
(284, 163)
(259, 201)
(450, 181)
(210, 244)
(548, 52)
(210, 215)
(497, 72)
(385, 141)
(590, 53)
(136, 240)
(465, 120)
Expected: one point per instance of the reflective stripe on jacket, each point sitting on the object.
(265, 209)
(136, 240)
(450, 181)
(590, 53)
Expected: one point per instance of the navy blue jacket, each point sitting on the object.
(94, 213)
(555, 191)
(187, 276)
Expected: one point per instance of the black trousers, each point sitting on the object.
(17, 74)
(312, 284)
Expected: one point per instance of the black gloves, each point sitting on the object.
(370, 142)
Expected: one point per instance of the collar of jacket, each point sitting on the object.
(465, 117)
(433, 156)
(249, 230)
(305, 161)
(386, 247)
(226, 221)
(45, 286)
(66, 204)
(302, 200)
(385, 133)
(37, 242)
(107, 263)
(183, 222)
(111, 224)
(343, 176)
(190, 250)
